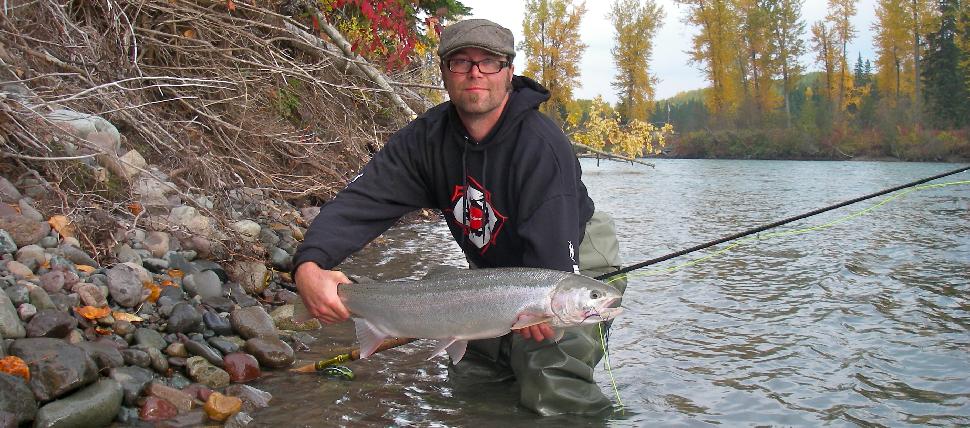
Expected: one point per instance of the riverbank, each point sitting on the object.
(161, 328)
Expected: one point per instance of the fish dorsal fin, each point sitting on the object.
(457, 350)
(441, 270)
(368, 336)
(529, 319)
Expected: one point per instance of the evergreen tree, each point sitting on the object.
(944, 80)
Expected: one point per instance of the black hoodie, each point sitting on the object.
(515, 198)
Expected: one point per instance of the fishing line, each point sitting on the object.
(609, 369)
(915, 185)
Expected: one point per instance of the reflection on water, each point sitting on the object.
(866, 322)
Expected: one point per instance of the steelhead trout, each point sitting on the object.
(456, 306)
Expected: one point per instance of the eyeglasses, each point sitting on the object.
(485, 66)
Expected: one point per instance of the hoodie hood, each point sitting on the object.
(527, 95)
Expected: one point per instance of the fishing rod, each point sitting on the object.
(772, 225)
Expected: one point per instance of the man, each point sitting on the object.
(509, 185)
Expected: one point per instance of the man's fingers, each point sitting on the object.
(537, 333)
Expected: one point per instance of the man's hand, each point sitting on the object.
(318, 289)
(538, 332)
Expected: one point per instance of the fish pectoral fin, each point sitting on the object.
(559, 334)
(457, 350)
(369, 337)
(526, 320)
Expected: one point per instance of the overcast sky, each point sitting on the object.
(670, 59)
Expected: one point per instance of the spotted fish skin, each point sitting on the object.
(460, 305)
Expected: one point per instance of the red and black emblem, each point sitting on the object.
(472, 210)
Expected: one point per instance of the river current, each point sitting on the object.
(854, 317)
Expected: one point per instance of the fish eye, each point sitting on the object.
(594, 295)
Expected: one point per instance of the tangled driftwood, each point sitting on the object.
(214, 99)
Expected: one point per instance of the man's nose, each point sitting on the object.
(476, 71)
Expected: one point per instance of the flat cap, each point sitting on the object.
(476, 33)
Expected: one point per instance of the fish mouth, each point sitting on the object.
(607, 314)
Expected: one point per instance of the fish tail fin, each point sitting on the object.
(369, 337)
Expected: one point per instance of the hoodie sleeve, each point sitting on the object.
(389, 186)
(554, 204)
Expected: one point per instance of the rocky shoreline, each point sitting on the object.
(162, 335)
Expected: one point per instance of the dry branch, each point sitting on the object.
(611, 156)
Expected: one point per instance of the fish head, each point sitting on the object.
(579, 300)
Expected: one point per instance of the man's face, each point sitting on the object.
(475, 92)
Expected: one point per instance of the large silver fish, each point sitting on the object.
(456, 306)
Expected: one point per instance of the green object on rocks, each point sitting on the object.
(338, 372)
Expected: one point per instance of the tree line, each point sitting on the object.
(912, 100)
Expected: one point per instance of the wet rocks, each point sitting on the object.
(273, 353)
(16, 399)
(241, 367)
(220, 407)
(181, 400)
(51, 323)
(95, 405)
(56, 367)
(184, 318)
(150, 335)
(157, 409)
(10, 326)
(132, 380)
(204, 372)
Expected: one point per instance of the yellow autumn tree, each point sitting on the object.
(825, 55)
(892, 43)
(635, 24)
(840, 17)
(788, 29)
(714, 48)
(553, 50)
(603, 131)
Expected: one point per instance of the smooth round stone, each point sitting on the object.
(217, 324)
(241, 367)
(205, 351)
(18, 294)
(123, 328)
(26, 311)
(149, 337)
(157, 409)
(204, 372)
(136, 357)
(223, 344)
(177, 349)
(184, 319)
(273, 353)
(51, 323)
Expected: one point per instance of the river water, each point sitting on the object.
(865, 321)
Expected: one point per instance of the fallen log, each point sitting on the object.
(610, 156)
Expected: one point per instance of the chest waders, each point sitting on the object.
(554, 377)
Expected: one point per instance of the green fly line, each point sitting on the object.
(757, 237)
(772, 235)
